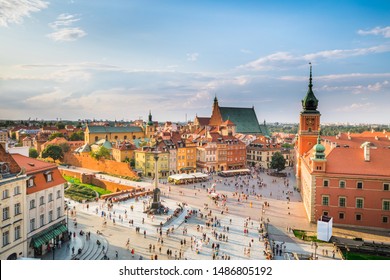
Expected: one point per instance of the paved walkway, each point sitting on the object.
(281, 214)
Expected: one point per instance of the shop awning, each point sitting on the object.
(48, 234)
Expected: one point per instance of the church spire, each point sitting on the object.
(310, 102)
(150, 121)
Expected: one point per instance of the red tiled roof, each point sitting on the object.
(228, 123)
(351, 161)
(32, 165)
(38, 169)
(345, 156)
(203, 121)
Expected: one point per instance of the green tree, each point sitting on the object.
(13, 135)
(60, 125)
(77, 136)
(65, 147)
(102, 152)
(33, 153)
(53, 151)
(278, 162)
(55, 135)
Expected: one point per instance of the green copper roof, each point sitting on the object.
(150, 122)
(310, 102)
(245, 119)
(114, 129)
(319, 149)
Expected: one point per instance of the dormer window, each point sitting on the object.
(49, 176)
(30, 182)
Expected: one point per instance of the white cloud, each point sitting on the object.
(383, 31)
(67, 34)
(356, 107)
(13, 11)
(272, 61)
(64, 30)
(286, 60)
(192, 56)
(358, 89)
(64, 20)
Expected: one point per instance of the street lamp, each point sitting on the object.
(53, 243)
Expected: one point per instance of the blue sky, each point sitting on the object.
(79, 59)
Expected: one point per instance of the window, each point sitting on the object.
(17, 209)
(386, 186)
(325, 213)
(58, 212)
(359, 185)
(17, 233)
(358, 217)
(342, 184)
(385, 219)
(32, 204)
(16, 190)
(386, 205)
(32, 224)
(341, 216)
(5, 238)
(49, 177)
(326, 183)
(50, 198)
(41, 200)
(359, 202)
(5, 194)
(325, 200)
(41, 220)
(30, 183)
(5, 213)
(50, 216)
(342, 202)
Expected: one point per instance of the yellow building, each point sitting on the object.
(145, 161)
(112, 133)
(123, 151)
(186, 154)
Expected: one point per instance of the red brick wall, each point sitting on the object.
(103, 165)
(91, 179)
(372, 194)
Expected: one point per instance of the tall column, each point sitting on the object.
(156, 170)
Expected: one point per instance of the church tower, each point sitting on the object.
(309, 124)
(150, 127)
(216, 117)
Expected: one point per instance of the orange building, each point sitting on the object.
(347, 176)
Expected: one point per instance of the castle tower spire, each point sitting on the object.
(310, 102)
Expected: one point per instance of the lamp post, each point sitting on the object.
(53, 243)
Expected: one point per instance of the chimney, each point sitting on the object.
(366, 147)
(366, 153)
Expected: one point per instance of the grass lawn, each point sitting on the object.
(362, 256)
(76, 181)
(307, 236)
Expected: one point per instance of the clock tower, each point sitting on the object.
(309, 124)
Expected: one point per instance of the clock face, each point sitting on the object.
(310, 121)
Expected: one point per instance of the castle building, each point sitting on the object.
(347, 176)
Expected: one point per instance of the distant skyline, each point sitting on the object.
(119, 59)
